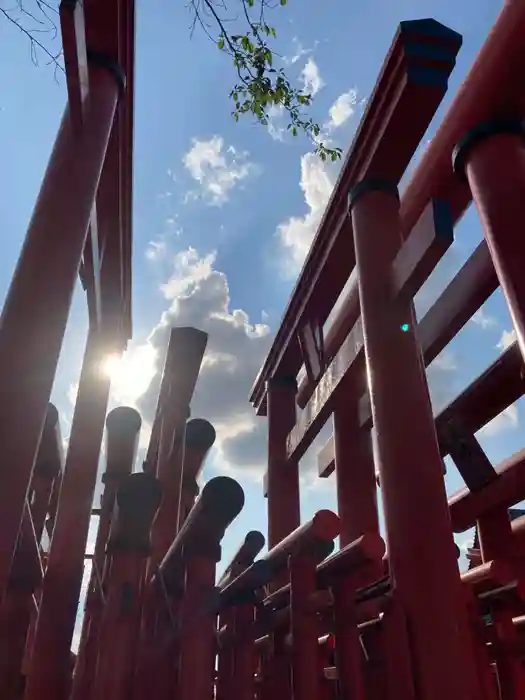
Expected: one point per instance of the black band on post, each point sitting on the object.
(371, 185)
(479, 133)
(282, 381)
(102, 60)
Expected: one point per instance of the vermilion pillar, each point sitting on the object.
(420, 544)
(138, 500)
(497, 542)
(282, 475)
(40, 293)
(49, 676)
(304, 625)
(355, 473)
(47, 470)
(492, 157)
(197, 660)
(122, 435)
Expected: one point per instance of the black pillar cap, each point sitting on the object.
(371, 185)
(479, 133)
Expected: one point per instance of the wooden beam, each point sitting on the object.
(428, 242)
(473, 464)
(409, 89)
(418, 255)
(319, 407)
(73, 27)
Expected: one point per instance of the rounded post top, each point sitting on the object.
(123, 420)
(200, 434)
(224, 495)
(52, 416)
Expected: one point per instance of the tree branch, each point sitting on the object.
(23, 18)
(261, 86)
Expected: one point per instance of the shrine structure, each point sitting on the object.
(383, 616)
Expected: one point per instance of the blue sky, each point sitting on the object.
(224, 212)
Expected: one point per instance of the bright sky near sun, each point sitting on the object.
(224, 213)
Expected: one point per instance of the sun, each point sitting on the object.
(131, 373)
(111, 365)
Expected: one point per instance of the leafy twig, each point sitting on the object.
(260, 86)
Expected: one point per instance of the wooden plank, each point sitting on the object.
(319, 406)
(326, 458)
(470, 459)
(409, 89)
(417, 257)
(428, 242)
(311, 342)
(73, 28)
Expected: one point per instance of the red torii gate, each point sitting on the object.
(393, 246)
(81, 224)
(297, 623)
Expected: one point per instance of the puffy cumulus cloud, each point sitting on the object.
(317, 182)
(506, 340)
(297, 233)
(199, 296)
(217, 169)
(189, 270)
(342, 109)
(311, 78)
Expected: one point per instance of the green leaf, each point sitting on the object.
(220, 43)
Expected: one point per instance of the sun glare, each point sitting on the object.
(130, 374)
(111, 365)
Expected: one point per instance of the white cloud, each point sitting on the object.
(217, 169)
(442, 377)
(72, 393)
(199, 296)
(297, 233)
(484, 320)
(189, 271)
(155, 250)
(342, 109)
(276, 129)
(311, 78)
(446, 361)
(506, 340)
(317, 182)
(507, 420)
(131, 374)
(298, 52)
